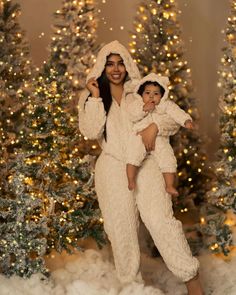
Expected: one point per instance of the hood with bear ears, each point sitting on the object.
(131, 67)
(161, 80)
(116, 48)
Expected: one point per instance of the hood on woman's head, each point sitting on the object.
(161, 80)
(116, 48)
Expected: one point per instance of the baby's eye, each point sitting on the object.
(147, 92)
(157, 93)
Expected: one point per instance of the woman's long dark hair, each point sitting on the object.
(105, 94)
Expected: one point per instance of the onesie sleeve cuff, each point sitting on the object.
(94, 99)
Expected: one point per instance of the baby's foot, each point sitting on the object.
(131, 184)
(172, 191)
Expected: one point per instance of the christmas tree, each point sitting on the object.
(15, 69)
(73, 52)
(157, 47)
(223, 193)
(51, 202)
(73, 49)
(22, 240)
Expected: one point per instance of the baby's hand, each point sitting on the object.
(189, 124)
(149, 106)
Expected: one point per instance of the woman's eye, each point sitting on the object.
(109, 64)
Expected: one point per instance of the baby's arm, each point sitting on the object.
(165, 124)
(92, 116)
(177, 114)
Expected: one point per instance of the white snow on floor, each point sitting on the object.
(92, 273)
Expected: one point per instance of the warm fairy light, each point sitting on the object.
(202, 220)
(166, 15)
(154, 11)
(141, 8)
(214, 247)
(230, 159)
(184, 210)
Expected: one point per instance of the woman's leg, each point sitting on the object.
(194, 286)
(120, 215)
(155, 208)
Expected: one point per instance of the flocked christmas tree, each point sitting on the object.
(72, 54)
(50, 183)
(73, 51)
(73, 48)
(19, 234)
(157, 47)
(223, 192)
(15, 73)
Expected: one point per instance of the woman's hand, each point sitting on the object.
(149, 135)
(93, 88)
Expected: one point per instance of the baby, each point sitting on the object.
(151, 101)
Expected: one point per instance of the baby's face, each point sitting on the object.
(152, 93)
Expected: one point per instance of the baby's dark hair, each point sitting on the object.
(142, 87)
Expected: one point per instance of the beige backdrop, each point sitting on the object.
(202, 22)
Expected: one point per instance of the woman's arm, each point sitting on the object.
(149, 135)
(163, 126)
(92, 116)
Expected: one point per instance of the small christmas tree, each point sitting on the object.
(223, 192)
(157, 47)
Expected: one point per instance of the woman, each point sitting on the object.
(102, 116)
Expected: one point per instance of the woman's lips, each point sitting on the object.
(116, 76)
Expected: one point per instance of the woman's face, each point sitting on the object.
(115, 69)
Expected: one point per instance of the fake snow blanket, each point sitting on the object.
(92, 273)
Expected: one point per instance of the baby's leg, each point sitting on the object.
(136, 153)
(170, 180)
(131, 171)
